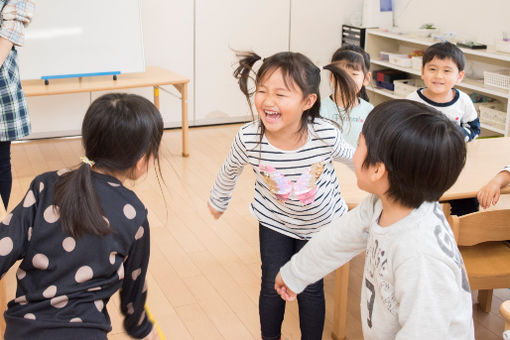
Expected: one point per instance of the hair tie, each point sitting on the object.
(85, 160)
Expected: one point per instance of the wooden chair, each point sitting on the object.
(481, 237)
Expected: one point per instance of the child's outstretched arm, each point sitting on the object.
(335, 245)
(489, 193)
(134, 286)
(226, 180)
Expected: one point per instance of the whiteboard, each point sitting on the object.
(68, 37)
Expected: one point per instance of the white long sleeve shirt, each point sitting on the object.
(414, 282)
(312, 201)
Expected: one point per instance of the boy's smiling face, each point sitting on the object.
(440, 76)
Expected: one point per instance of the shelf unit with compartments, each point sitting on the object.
(477, 61)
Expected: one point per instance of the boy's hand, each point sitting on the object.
(489, 194)
(285, 292)
(216, 214)
(153, 335)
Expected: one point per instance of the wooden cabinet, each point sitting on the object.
(477, 61)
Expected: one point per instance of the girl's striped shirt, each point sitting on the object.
(290, 217)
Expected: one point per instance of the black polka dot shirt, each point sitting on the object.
(64, 283)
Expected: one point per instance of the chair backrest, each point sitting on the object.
(482, 226)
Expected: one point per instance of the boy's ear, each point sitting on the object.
(378, 172)
(460, 76)
(310, 100)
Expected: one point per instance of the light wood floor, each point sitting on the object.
(204, 275)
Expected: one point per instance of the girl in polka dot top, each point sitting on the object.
(82, 235)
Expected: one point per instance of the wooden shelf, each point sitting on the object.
(472, 84)
(490, 52)
(383, 92)
(378, 41)
(488, 127)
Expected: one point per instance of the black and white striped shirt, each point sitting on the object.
(292, 217)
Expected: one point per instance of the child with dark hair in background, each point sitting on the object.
(82, 235)
(443, 68)
(291, 150)
(348, 105)
(414, 282)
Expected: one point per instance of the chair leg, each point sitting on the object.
(485, 300)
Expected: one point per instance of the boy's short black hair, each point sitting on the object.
(445, 50)
(422, 150)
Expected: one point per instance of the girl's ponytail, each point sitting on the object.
(79, 205)
(242, 73)
(345, 88)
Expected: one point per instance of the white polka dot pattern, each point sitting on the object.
(68, 244)
(135, 274)
(112, 257)
(29, 234)
(29, 316)
(41, 186)
(29, 199)
(93, 289)
(50, 292)
(139, 233)
(62, 171)
(142, 317)
(120, 271)
(40, 261)
(6, 246)
(130, 308)
(83, 274)
(59, 301)
(51, 214)
(7, 219)
(20, 274)
(99, 305)
(115, 185)
(75, 320)
(129, 211)
(22, 300)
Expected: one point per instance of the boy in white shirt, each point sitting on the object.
(443, 68)
(414, 282)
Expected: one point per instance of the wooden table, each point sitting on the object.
(153, 76)
(485, 158)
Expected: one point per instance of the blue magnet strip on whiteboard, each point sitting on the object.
(76, 75)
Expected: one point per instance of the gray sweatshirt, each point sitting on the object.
(414, 282)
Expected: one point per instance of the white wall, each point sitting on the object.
(195, 38)
(481, 21)
(316, 30)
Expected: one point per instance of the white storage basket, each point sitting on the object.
(402, 60)
(499, 79)
(493, 114)
(404, 87)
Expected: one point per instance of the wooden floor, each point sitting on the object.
(204, 275)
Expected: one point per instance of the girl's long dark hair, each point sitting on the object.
(296, 68)
(357, 59)
(117, 131)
